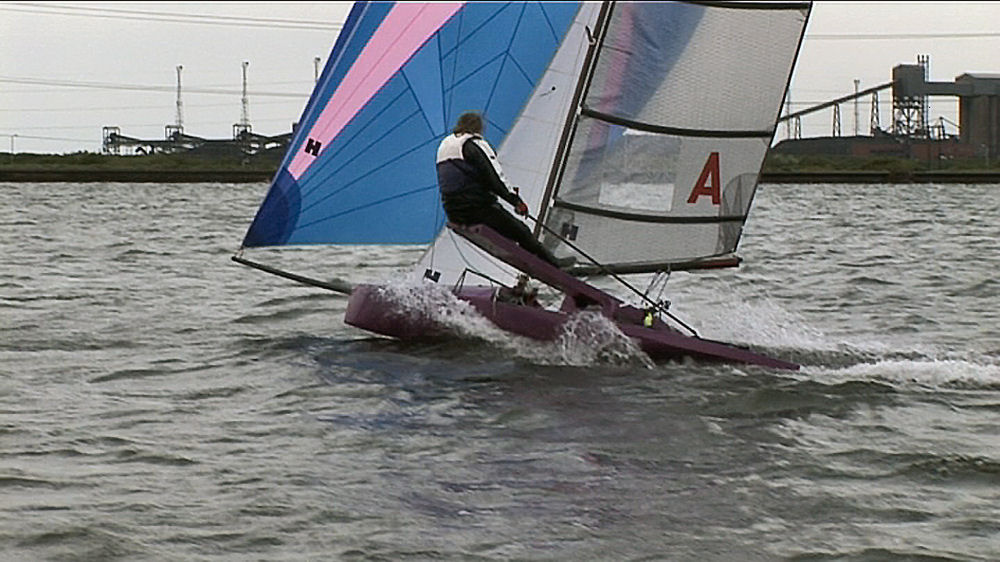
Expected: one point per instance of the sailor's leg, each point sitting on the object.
(505, 224)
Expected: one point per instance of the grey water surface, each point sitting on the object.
(159, 402)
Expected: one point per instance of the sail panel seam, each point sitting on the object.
(321, 167)
(374, 170)
(507, 56)
(365, 206)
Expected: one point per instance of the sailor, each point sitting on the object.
(471, 180)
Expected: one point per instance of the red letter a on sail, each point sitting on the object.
(708, 182)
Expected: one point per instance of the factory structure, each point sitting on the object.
(244, 141)
(912, 133)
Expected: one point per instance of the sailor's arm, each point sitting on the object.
(489, 171)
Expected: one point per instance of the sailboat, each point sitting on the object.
(635, 133)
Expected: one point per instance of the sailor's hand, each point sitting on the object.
(522, 209)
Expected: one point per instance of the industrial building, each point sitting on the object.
(244, 141)
(912, 134)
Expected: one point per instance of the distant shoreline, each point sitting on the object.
(42, 175)
(881, 176)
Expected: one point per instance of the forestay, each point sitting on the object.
(677, 115)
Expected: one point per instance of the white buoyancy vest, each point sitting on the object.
(450, 150)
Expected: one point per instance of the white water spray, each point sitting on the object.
(587, 338)
(973, 372)
(591, 338)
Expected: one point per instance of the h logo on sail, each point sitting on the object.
(313, 147)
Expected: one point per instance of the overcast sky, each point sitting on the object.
(67, 69)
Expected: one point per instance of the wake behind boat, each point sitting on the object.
(636, 133)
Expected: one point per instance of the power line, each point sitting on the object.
(140, 125)
(144, 125)
(79, 108)
(168, 17)
(136, 87)
(36, 137)
(879, 36)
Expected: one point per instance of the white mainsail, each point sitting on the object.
(672, 131)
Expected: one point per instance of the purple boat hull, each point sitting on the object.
(370, 308)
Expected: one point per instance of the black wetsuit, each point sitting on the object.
(470, 184)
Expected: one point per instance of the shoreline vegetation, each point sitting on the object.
(86, 167)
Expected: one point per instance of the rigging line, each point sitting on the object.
(437, 218)
(611, 274)
(665, 276)
(439, 207)
(658, 278)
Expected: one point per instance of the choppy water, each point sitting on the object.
(158, 402)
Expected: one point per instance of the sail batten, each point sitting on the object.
(677, 131)
(625, 215)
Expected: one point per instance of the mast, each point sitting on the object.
(586, 73)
